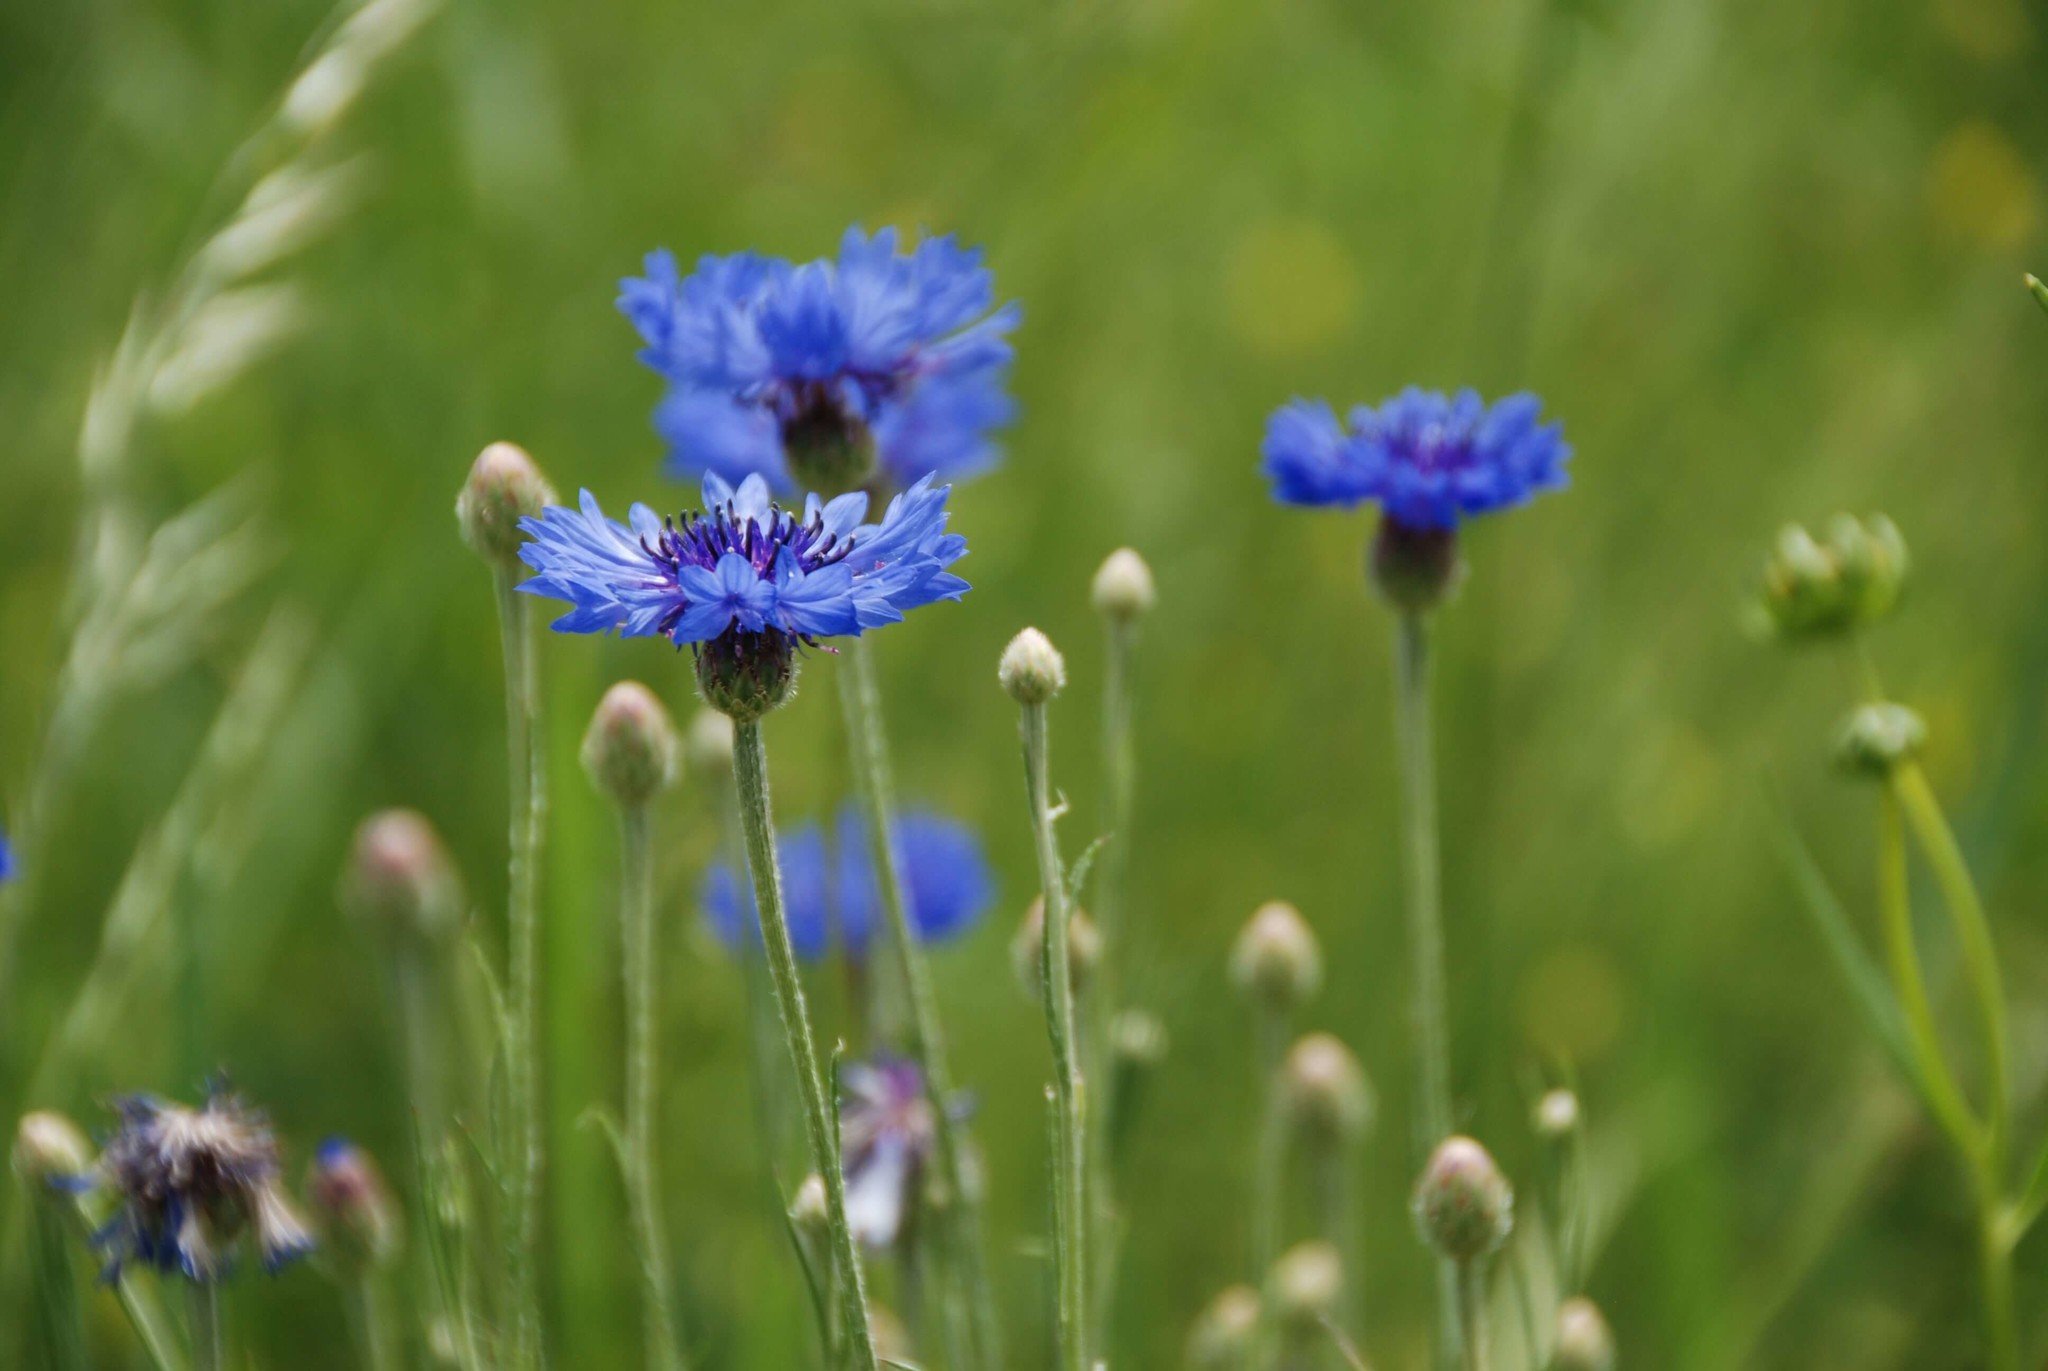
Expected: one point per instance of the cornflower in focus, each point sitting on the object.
(878, 363)
(832, 890)
(189, 1184)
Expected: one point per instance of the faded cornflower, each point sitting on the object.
(886, 1131)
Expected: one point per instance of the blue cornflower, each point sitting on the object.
(188, 1183)
(1428, 460)
(887, 1132)
(817, 376)
(6, 860)
(832, 896)
(745, 582)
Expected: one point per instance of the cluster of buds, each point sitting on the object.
(1849, 577)
(1276, 961)
(1876, 738)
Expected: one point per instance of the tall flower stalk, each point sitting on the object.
(1032, 671)
(1429, 461)
(968, 1309)
(632, 754)
(505, 487)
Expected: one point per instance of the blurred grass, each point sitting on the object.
(1763, 261)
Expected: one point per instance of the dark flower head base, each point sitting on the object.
(879, 363)
(745, 583)
(1428, 460)
(189, 1183)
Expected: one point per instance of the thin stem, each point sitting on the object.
(1330, 1175)
(954, 1202)
(641, 965)
(59, 1317)
(1973, 934)
(2001, 1330)
(380, 1345)
(750, 774)
(209, 1348)
(1471, 1289)
(528, 804)
(1057, 983)
(1951, 1111)
(1271, 1159)
(1112, 919)
(1425, 926)
(144, 1315)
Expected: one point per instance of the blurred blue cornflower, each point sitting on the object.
(1428, 460)
(817, 376)
(6, 860)
(833, 898)
(887, 1131)
(188, 1183)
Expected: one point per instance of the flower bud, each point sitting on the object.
(745, 675)
(1556, 1115)
(1464, 1206)
(1226, 1332)
(1416, 569)
(1032, 669)
(1138, 1039)
(631, 750)
(708, 744)
(1305, 1287)
(1324, 1089)
(1027, 949)
(1584, 1342)
(50, 1148)
(1276, 960)
(1876, 738)
(1123, 588)
(504, 486)
(354, 1204)
(399, 879)
(809, 1211)
(1851, 578)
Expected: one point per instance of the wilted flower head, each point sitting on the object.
(887, 1131)
(1851, 576)
(832, 896)
(354, 1203)
(820, 376)
(189, 1183)
(744, 582)
(1428, 460)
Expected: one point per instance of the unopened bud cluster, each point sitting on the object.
(1276, 960)
(1876, 738)
(1849, 577)
(631, 750)
(1464, 1206)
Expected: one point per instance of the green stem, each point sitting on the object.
(1057, 984)
(209, 1345)
(954, 1201)
(380, 1346)
(1973, 934)
(750, 774)
(1106, 997)
(1330, 1174)
(59, 1316)
(1471, 1291)
(1271, 1159)
(2000, 1328)
(528, 804)
(641, 964)
(1425, 926)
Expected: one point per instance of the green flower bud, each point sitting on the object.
(1305, 1287)
(1328, 1100)
(1583, 1340)
(1027, 949)
(504, 486)
(1226, 1333)
(49, 1147)
(1556, 1116)
(708, 745)
(1853, 577)
(1123, 589)
(1138, 1039)
(1876, 738)
(1416, 569)
(399, 879)
(631, 749)
(1276, 960)
(1032, 669)
(1464, 1206)
(809, 1211)
(746, 675)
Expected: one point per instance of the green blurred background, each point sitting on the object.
(1763, 261)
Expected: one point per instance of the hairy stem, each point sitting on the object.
(1112, 918)
(1057, 984)
(750, 775)
(1271, 1158)
(966, 1293)
(641, 964)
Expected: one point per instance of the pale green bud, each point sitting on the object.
(399, 879)
(1276, 960)
(504, 486)
(49, 1147)
(1464, 1206)
(1556, 1115)
(1226, 1332)
(631, 751)
(1123, 588)
(1328, 1099)
(1877, 737)
(1032, 669)
(1305, 1286)
(1584, 1342)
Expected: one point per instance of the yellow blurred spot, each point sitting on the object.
(1572, 1003)
(1988, 30)
(1289, 287)
(1979, 189)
